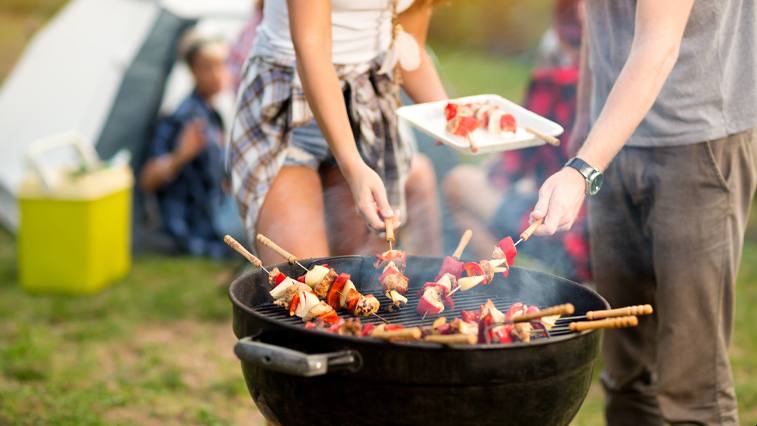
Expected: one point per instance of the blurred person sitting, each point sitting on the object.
(496, 201)
(185, 167)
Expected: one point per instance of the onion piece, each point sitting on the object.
(467, 283)
(280, 290)
(314, 276)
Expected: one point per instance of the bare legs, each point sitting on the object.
(420, 235)
(292, 215)
(314, 215)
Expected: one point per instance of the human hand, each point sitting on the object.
(370, 198)
(192, 141)
(560, 199)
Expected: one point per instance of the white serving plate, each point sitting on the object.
(429, 118)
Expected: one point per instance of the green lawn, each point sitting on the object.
(155, 348)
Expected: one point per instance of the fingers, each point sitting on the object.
(367, 208)
(382, 202)
(541, 209)
(560, 199)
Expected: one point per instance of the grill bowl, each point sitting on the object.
(366, 381)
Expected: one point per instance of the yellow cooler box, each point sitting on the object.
(74, 236)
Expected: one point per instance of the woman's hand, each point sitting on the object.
(560, 199)
(369, 194)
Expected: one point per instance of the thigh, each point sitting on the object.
(622, 269)
(347, 232)
(697, 243)
(292, 215)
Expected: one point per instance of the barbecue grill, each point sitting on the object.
(302, 376)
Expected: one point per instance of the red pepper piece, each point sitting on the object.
(293, 305)
(508, 248)
(393, 327)
(473, 269)
(334, 292)
(301, 278)
(278, 279)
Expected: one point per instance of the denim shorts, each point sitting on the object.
(308, 147)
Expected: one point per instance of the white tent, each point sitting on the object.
(99, 69)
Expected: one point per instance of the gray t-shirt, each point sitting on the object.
(711, 92)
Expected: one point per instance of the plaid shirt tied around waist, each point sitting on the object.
(271, 103)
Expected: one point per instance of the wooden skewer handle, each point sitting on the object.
(262, 239)
(531, 229)
(473, 146)
(239, 248)
(389, 225)
(620, 312)
(464, 240)
(452, 339)
(546, 138)
(402, 334)
(620, 322)
(564, 309)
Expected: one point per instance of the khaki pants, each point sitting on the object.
(667, 228)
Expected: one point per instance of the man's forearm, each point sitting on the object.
(583, 91)
(654, 51)
(630, 99)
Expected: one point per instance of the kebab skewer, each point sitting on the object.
(436, 295)
(337, 290)
(392, 264)
(503, 257)
(290, 294)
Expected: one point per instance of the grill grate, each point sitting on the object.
(407, 316)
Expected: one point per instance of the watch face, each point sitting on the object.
(596, 183)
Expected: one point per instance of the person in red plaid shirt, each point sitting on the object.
(503, 195)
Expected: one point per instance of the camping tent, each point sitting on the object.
(99, 69)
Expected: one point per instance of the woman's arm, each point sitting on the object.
(310, 25)
(422, 84)
(654, 52)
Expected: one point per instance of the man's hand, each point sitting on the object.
(191, 142)
(560, 199)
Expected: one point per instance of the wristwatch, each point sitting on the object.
(593, 176)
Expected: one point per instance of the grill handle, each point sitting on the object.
(293, 362)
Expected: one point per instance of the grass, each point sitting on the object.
(470, 73)
(155, 348)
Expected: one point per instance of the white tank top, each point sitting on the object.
(361, 30)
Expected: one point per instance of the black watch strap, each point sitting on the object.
(592, 176)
